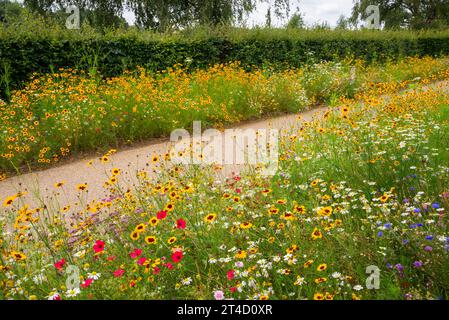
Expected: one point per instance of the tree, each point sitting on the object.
(175, 14)
(296, 21)
(411, 14)
(343, 23)
(99, 13)
(9, 10)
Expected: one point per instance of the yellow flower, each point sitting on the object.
(316, 234)
(140, 228)
(18, 256)
(322, 267)
(210, 218)
(153, 221)
(59, 184)
(318, 296)
(8, 201)
(246, 225)
(171, 240)
(82, 187)
(135, 236)
(325, 211)
(241, 254)
(150, 240)
(320, 280)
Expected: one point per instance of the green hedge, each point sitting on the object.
(22, 55)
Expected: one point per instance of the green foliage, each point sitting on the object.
(411, 14)
(31, 46)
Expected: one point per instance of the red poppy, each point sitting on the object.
(231, 274)
(238, 190)
(87, 283)
(232, 289)
(60, 264)
(156, 270)
(141, 261)
(111, 258)
(169, 266)
(177, 256)
(136, 253)
(98, 246)
(161, 214)
(181, 224)
(119, 273)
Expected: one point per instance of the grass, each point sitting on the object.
(365, 185)
(69, 112)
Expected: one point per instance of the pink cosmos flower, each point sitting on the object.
(119, 273)
(180, 224)
(177, 256)
(87, 283)
(136, 253)
(98, 246)
(219, 295)
(161, 214)
(59, 264)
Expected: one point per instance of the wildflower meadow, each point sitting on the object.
(356, 208)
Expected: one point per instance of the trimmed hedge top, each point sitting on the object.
(113, 53)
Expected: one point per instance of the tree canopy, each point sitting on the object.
(410, 14)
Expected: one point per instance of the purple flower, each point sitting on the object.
(436, 205)
(380, 234)
(417, 210)
(399, 267)
(428, 248)
(405, 241)
(430, 238)
(417, 264)
(387, 225)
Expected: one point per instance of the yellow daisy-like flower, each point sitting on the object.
(246, 225)
(320, 280)
(318, 296)
(18, 256)
(171, 240)
(210, 218)
(140, 228)
(59, 184)
(9, 201)
(153, 221)
(322, 267)
(325, 211)
(316, 234)
(241, 254)
(82, 187)
(135, 235)
(150, 239)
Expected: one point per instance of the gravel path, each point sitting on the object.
(40, 184)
